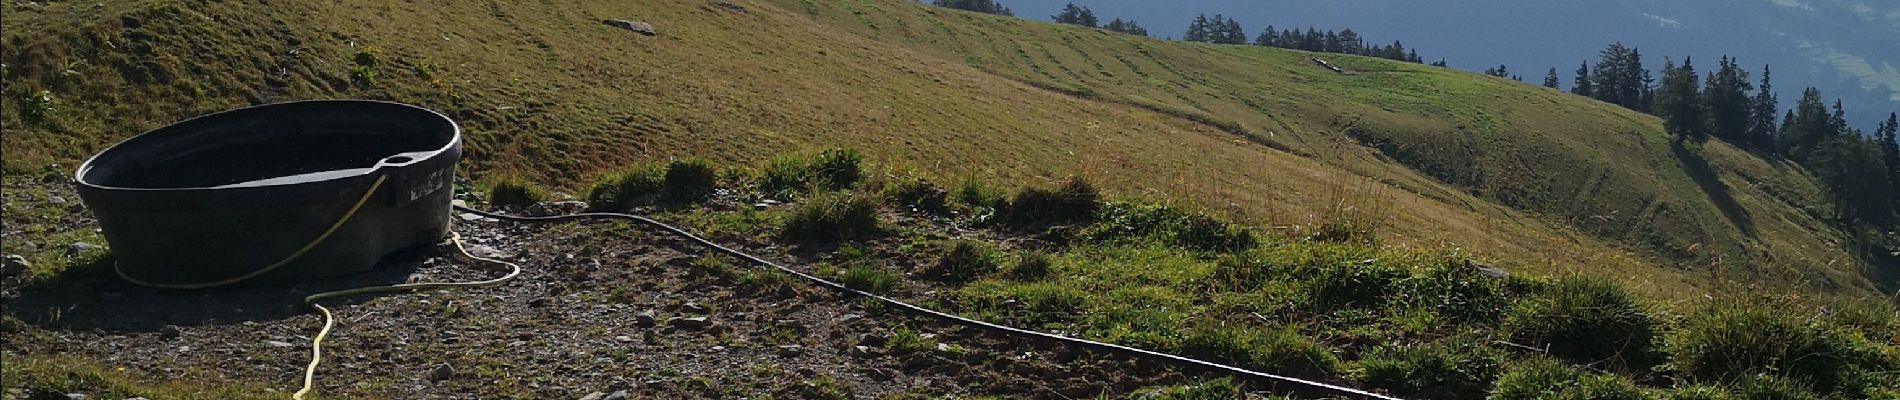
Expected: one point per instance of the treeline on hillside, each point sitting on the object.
(1220, 29)
(1345, 41)
(1073, 15)
(1223, 30)
(982, 6)
(1860, 172)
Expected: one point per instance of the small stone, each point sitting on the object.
(539, 302)
(761, 206)
(637, 27)
(78, 248)
(623, 339)
(12, 265)
(864, 351)
(790, 350)
(718, 348)
(695, 308)
(169, 332)
(618, 395)
(482, 250)
(569, 207)
(541, 209)
(644, 318)
(871, 339)
(729, 6)
(277, 343)
(594, 396)
(441, 372)
(690, 322)
(76, 396)
(458, 203)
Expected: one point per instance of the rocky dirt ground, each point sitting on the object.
(603, 310)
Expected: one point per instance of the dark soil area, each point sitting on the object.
(601, 308)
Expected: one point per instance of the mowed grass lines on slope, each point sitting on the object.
(1448, 135)
(547, 92)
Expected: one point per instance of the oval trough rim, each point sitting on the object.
(455, 138)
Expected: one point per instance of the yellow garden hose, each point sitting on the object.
(329, 321)
(316, 344)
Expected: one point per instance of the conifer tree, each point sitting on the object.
(1761, 121)
(1726, 100)
(1197, 30)
(1679, 102)
(1805, 126)
(1887, 137)
(1267, 37)
(1073, 15)
(1550, 79)
(1581, 86)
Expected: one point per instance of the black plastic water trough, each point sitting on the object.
(220, 196)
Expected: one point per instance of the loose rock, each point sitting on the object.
(644, 319)
(78, 248)
(169, 332)
(871, 339)
(637, 27)
(12, 265)
(790, 350)
(277, 343)
(690, 322)
(730, 6)
(441, 372)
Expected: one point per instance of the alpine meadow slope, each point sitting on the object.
(1533, 179)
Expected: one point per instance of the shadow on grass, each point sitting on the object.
(89, 296)
(1704, 177)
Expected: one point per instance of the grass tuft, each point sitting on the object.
(1459, 367)
(1548, 379)
(622, 190)
(831, 217)
(869, 278)
(1218, 389)
(1727, 342)
(1587, 321)
(831, 169)
(1076, 201)
(964, 261)
(1280, 349)
(918, 195)
(1031, 266)
(510, 191)
(688, 181)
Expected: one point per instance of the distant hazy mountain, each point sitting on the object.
(1850, 49)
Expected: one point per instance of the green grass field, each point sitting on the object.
(1528, 178)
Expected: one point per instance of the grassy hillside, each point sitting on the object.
(1602, 169)
(1531, 178)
